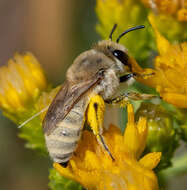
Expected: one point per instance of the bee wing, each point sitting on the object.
(65, 99)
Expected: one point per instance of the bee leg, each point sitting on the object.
(124, 98)
(126, 77)
(118, 100)
(101, 140)
(139, 96)
(64, 164)
(95, 116)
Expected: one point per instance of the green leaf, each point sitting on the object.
(58, 182)
(32, 132)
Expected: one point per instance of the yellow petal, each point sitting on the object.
(130, 112)
(182, 15)
(89, 157)
(151, 160)
(131, 135)
(162, 44)
(142, 129)
(63, 171)
(176, 99)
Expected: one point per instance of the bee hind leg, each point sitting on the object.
(95, 116)
(101, 141)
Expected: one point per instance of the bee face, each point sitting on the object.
(105, 55)
(117, 52)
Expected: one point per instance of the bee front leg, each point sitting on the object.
(124, 98)
(95, 117)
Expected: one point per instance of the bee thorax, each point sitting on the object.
(109, 85)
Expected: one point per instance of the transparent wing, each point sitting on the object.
(65, 99)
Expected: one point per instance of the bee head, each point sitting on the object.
(114, 50)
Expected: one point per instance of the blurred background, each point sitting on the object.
(55, 32)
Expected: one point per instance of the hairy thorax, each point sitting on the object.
(109, 85)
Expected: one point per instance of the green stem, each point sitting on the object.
(179, 167)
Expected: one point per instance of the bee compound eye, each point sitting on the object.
(122, 56)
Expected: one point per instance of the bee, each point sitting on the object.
(94, 72)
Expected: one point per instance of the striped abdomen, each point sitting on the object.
(62, 142)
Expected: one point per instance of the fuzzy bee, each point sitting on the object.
(97, 71)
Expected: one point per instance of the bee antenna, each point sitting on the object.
(32, 117)
(112, 31)
(129, 30)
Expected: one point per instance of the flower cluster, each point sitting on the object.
(170, 65)
(92, 167)
(162, 55)
(177, 9)
(21, 83)
(170, 17)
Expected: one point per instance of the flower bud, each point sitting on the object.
(21, 82)
(162, 136)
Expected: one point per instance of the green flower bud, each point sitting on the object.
(162, 134)
(180, 115)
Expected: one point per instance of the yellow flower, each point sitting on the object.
(20, 83)
(170, 17)
(176, 8)
(92, 167)
(182, 15)
(170, 78)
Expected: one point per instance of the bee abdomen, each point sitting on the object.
(62, 158)
(56, 145)
(63, 141)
